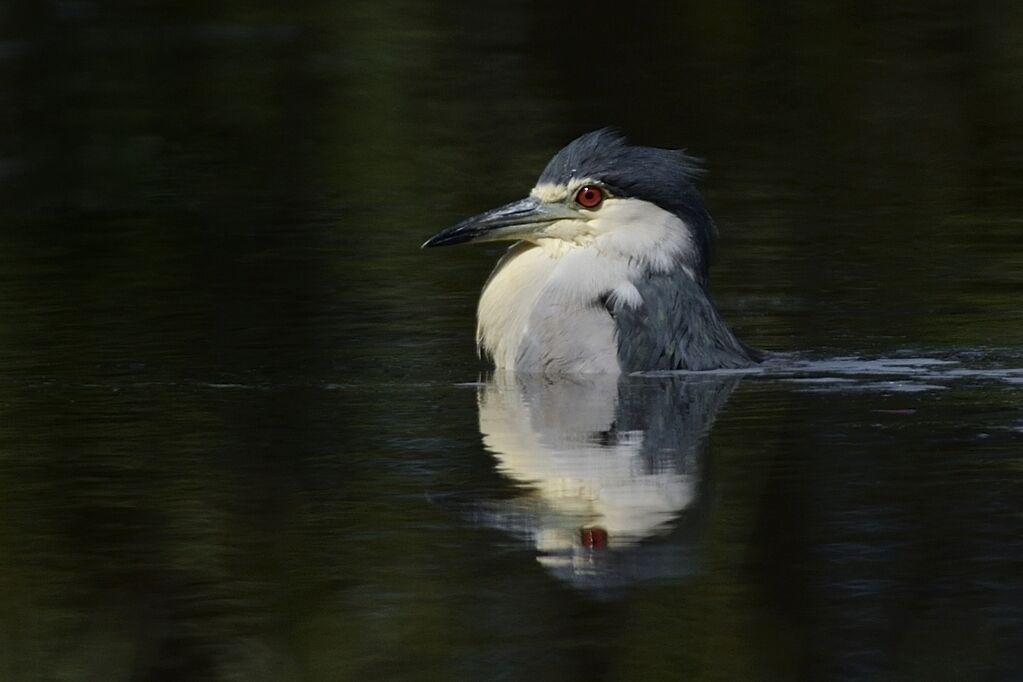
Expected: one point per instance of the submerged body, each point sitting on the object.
(609, 271)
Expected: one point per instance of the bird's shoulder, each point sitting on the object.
(674, 326)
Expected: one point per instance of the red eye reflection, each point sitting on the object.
(589, 196)
(593, 537)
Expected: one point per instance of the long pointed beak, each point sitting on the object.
(517, 220)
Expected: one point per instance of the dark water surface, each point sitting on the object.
(243, 431)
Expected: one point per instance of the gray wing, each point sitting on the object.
(676, 327)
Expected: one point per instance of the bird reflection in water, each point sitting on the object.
(608, 466)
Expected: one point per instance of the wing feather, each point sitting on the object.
(676, 327)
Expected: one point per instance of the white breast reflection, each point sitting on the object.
(607, 467)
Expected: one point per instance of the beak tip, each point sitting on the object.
(452, 235)
(506, 223)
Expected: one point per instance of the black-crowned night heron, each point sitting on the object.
(609, 272)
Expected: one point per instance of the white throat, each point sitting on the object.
(543, 308)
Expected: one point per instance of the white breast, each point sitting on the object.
(541, 312)
(542, 309)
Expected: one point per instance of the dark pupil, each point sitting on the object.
(589, 196)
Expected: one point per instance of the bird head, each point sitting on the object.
(600, 191)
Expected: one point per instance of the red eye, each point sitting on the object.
(589, 196)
